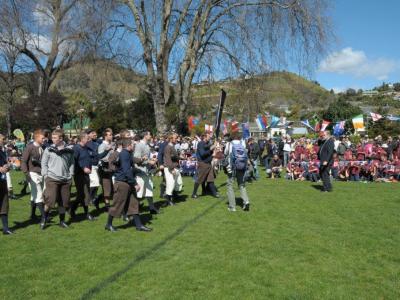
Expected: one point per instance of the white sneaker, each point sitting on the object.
(231, 209)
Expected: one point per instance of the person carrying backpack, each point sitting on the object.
(237, 159)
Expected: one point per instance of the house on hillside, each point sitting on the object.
(370, 93)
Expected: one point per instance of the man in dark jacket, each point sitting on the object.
(325, 155)
(125, 186)
(83, 167)
(205, 171)
(254, 152)
(4, 206)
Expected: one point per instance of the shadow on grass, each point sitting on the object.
(145, 218)
(144, 255)
(29, 222)
(318, 187)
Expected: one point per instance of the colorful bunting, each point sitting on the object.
(246, 130)
(338, 129)
(324, 125)
(375, 117)
(358, 123)
(208, 128)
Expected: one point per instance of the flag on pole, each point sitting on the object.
(376, 117)
(209, 128)
(264, 121)
(274, 120)
(358, 122)
(190, 122)
(338, 129)
(307, 124)
(393, 118)
(246, 130)
(261, 122)
(226, 125)
(235, 126)
(324, 125)
(19, 134)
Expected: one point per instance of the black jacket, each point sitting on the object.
(204, 154)
(82, 159)
(326, 150)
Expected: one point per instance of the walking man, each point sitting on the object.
(144, 163)
(57, 169)
(105, 150)
(83, 168)
(325, 155)
(235, 153)
(173, 179)
(205, 170)
(31, 166)
(4, 206)
(125, 185)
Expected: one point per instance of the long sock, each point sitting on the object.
(162, 189)
(33, 209)
(86, 209)
(212, 187)
(62, 217)
(93, 193)
(203, 188)
(138, 222)
(41, 209)
(4, 220)
(110, 220)
(151, 203)
(195, 188)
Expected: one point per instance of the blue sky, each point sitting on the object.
(367, 51)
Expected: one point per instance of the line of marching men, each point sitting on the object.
(122, 169)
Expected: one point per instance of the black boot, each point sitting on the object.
(162, 190)
(33, 211)
(6, 230)
(195, 188)
(109, 226)
(62, 221)
(43, 221)
(169, 201)
(139, 225)
(213, 190)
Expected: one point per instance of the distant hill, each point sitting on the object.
(100, 75)
(274, 92)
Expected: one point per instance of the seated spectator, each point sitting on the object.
(335, 166)
(354, 170)
(276, 166)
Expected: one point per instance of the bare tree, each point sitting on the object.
(10, 67)
(177, 37)
(51, 33)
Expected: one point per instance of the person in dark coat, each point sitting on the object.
(83, 167)
(325, 155)
(125, 186)
(205, 171)
(4, 206)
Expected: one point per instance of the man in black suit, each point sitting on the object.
(325, 155)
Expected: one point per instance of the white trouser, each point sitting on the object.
(146, 186)
(36, 184)
(94, 177)
(173, 181)
(9, 182)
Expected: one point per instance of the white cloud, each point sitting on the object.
(356, 63)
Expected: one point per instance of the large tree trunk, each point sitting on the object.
(8, 119)
(44, 85)
(159, 108)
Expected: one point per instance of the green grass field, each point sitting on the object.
(293, 244)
